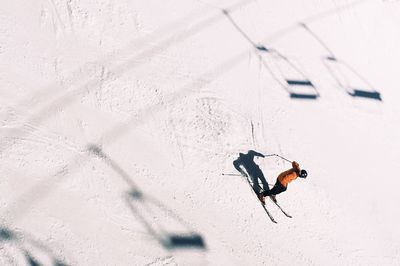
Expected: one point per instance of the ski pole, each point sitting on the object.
(269, 155)
(232, 174)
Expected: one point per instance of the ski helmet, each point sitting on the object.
(303, 173)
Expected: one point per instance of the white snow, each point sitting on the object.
(118, 118)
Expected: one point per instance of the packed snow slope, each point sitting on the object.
(119, 117)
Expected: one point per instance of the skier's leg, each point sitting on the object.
(278, 188)
(269, 192)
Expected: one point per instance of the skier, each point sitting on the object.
(282, 182)
(247, 161)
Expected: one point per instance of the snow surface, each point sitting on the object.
(118, 118)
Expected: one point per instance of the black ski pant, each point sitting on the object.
(278, 188)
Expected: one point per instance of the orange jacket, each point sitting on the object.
(288, 176)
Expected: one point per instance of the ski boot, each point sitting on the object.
(273, 198)
(261, 198)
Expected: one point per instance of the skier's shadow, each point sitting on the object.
(30, 249)
(162, 223)
(253, 170)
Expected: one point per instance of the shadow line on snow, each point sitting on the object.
(59, 101)
(76, 163)
(42, 188)
(152, 213)
(128, 64)
(162, 33)
(31, 249)
(321, 15)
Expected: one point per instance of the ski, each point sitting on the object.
(276, 203)
(285, 213)
(269, 215)
(262, 204)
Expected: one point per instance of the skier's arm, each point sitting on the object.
(258, 154)
(295, 166)
(237, 165)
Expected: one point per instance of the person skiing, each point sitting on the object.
(282, 182)
(247, 162)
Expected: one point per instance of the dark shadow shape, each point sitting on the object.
(299, 82)
(59, 263)
(366, 94)
(7, 235)
(136, 194)
(189, 240)
(31, 260)
(262, 48)
(253, 170)
(41, 189)
(184, 241)
(303, 96)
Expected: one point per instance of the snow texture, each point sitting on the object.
(118, 119)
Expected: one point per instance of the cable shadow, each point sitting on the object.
(282, 32)
(77, 75)
(130, 63)
(347, 78)
(162, 223)
(28, 247)
(283, 70)
(43, 188)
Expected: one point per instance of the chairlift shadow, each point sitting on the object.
(161, 222)
(347, 78)
(288, 75)
(150, 212)
(22, 244)
(282, 69)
